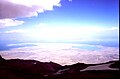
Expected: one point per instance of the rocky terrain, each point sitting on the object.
(31, 69)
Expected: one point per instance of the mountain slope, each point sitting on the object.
(31, 69)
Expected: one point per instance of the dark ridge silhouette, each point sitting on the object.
(116, 64)
(31, 69)
(1, 59)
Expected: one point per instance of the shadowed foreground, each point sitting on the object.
(31, 69)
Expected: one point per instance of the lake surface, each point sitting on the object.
(87, 47)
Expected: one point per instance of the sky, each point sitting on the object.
(91, 22)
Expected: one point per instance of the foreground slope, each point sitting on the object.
(31, 69)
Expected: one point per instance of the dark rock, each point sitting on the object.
(115, 64)
(1, 59)
(31, 69)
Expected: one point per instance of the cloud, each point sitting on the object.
(62, 53)
(16, 31)
(107, 33)
(22, 8)
(12, 9)
(9, 22)
(65, 34)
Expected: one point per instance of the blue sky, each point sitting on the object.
(103, 13)
(60, 21)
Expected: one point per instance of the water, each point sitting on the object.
(87, 47)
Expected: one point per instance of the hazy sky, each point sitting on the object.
(59, 20)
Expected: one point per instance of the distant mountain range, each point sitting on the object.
(31, 69)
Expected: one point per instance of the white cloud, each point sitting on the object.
(72, 33)
(67, 34)
(10, 9)
(62, 53)
(25, 8)
(9, 22)
(16, 31)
